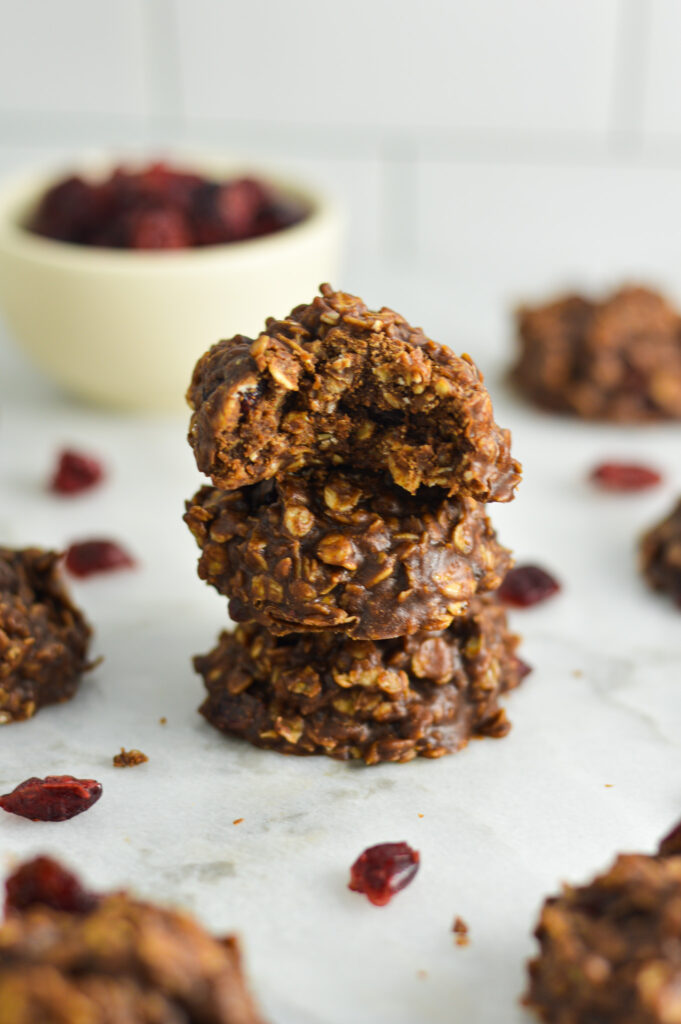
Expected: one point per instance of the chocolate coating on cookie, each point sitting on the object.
(385, 700)
(44, 638)
(345, 550)
(619, 359)
(660, 555)
(610, 950)
(119, 962)
(338, 383)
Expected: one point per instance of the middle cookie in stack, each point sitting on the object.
(350, 457)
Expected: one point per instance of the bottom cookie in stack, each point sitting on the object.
(379, 700)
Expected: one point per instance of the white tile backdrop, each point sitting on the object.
(504, 146)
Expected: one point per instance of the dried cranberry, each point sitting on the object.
(249, 398)
(43, 881)
(383, 870)
(277, 214)
(240, 204)
(92, 556)
(158, 229)
(228, 212)
(76, 472)
(67, 211)
(54, 798)
(670, 846)
(527, 585)
(522, 667)
(624, 476)
(160, 182)
(162, 208)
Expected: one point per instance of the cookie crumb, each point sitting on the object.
(129, 758)
(237, 821)
(163, 721)
(420, 815)
(460, 929)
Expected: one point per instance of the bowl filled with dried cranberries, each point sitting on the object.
(115, 279)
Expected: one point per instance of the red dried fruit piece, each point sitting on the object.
(159, 182)
(162, 208)
(158, 229)
(43, 881)
(76, 472)
(523, 668)
(670, 846)
(383, 870)
(527, 585)
(54, 798)
(67, 211)
(92, 556)
(228, 212)
(624, 476)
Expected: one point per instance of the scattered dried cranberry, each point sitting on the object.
(76, 472)
(523, 668)
(43, 881)
(383, 870)
(92, 556)
(624, 476)
(54, 798)
(527, 585)
(670, 846)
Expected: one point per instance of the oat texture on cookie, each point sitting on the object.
(618, 358)
(68, 955)
(350, 460)
(609, 950)
(44, 637)
(336, 382)
(660, 555)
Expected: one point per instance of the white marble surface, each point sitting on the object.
(591, 766)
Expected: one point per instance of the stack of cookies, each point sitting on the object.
(351, 459)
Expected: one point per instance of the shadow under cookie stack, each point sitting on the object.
(351, 459)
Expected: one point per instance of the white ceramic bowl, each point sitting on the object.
(124, 328)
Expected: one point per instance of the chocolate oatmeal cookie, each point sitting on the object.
(337, 383)
(660, 555)
(44, 638)
(385, 700)
(610, 950)
(341, 549)
(70, 957)
(618, 359)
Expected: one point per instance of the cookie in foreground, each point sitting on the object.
(660, 555)
(44, 637)
(68, 956)
(381, 700)
(345, 550)
(610, 951)
(335, 382)
(616, 359)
